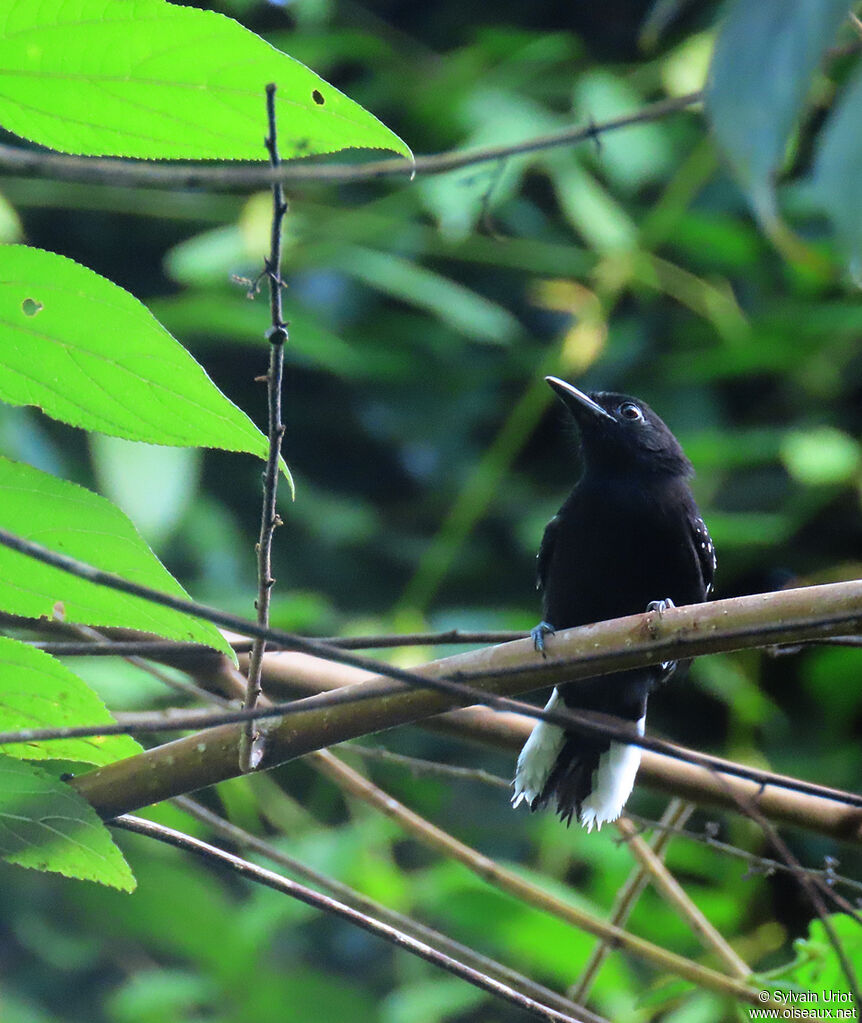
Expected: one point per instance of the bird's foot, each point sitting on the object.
(538, 634)
(660, 607)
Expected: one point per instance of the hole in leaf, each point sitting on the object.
(30, 307)
(317, 96)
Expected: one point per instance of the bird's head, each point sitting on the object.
(621, 432)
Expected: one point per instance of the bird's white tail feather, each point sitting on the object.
(538, 757)
(613, 781)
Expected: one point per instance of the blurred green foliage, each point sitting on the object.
(428, 456)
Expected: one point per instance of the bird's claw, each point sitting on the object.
(660, 606)
(538, 633)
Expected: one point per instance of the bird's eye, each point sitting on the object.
(628, 410)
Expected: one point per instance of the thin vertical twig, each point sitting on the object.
(251, 744)
(676, 814)
(675, 895)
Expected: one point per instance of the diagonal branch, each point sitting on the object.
(676, 814)
(377, 703)
(673, 892)
(344, 893)
(525, 890)
(324, 902)
(294, 673)
(250, 177)
(665, 829)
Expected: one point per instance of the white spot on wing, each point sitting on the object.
(538, 757)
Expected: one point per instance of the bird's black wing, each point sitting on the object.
(705, 550)
(546, 550)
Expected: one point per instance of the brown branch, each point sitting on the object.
(673, 893)
(423, 768)
(756, 864)
(839, 609)
(676, 813)
(206, 758)
(324, 902)
(525, 890)
(296, 673)
(251, 177)
(250, 747)
(351, 897)
(675, 777)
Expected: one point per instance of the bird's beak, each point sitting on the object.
(576, 401)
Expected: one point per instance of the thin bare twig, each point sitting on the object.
(447, 637)
(421, 768)
(521, 888)
(454, 949)
(532, 671)
(676, 813)
(756, 864)
(94, 640)
(155, 649)
(673, 893)
(270, 879)
(810, 885)
(665, 828)
(163, 648)
(250, 177)
(251, 744)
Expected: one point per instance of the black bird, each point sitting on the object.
(629, 538)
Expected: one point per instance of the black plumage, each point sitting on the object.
(628, 538)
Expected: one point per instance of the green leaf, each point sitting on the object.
(147, 78)
(821, 456)
(816, 968)
(630, 159)
(462, 309)
(762, 65)
(160, 994)
(154, 485)
(37, 691)
(46, 825)
(212, 315)
(87, 352)
(836, 173)
(429, 1000)
(73, 521)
